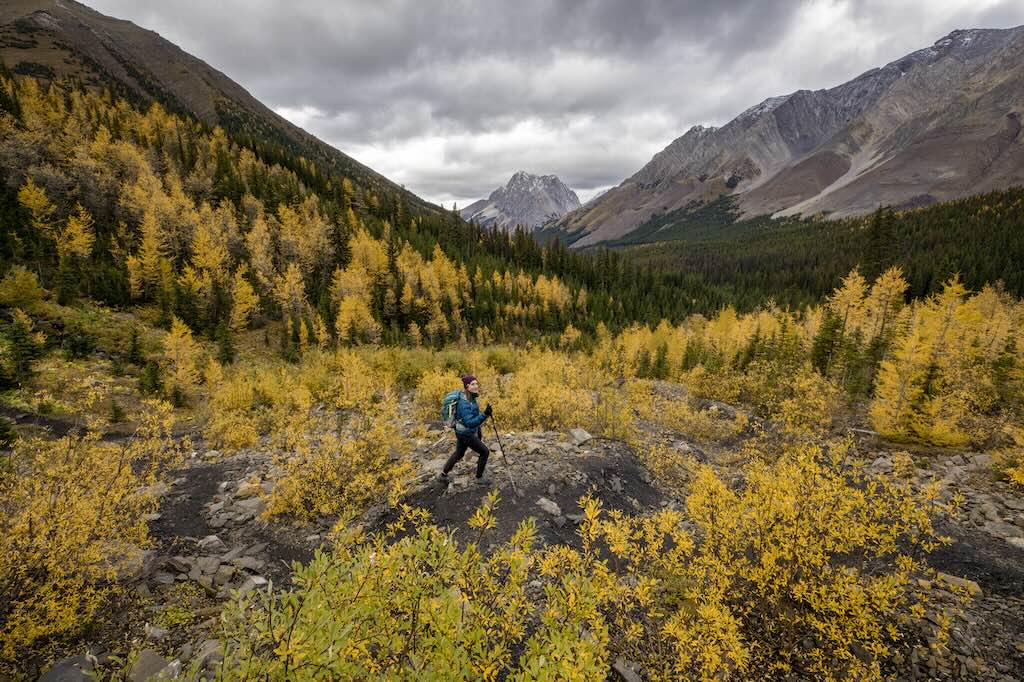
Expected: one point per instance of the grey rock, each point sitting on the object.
(253, 506)
(981, 461)
(248, 563)
(253, 582)
(224, 574)
(156, 633)
(627, 670)
(549, 506)
(212, 544)
(247, 489)
(71, 669)
(579, 436)
(138, 564)
(1004, 530)
(209, 653)
(954, 99)
(163, 578)
(526, 199)
(208, 564)
(147, 666)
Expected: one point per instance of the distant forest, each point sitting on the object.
(799, 261)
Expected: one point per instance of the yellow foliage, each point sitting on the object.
(327, 472)
(33, 198)
(72, 519)
(945, 368)
(77, 237)
(410, 608)
(181, 356)
(244, 301)
(1010, 460)
(355, 323)
(20, 289)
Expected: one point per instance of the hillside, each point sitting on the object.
(939, 124)
(63, 39)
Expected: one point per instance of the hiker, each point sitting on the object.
(468, 419)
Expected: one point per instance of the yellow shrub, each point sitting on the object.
(808, 551)
(811, 404)
(549, 391)
(417, 608)
(72, 519)
(1010, 460)
(705, 383)
(327, 472)
(342, 379)
(20, 289)
(430, 391)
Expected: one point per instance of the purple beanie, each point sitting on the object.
(467, 379)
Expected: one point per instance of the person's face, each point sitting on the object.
(474, 387)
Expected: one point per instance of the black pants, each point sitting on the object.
(472, 441)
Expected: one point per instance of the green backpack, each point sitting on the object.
(448, 407)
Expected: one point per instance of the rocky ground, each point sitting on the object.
(210, 539)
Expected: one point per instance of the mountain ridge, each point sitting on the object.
(56, 39)
(526, 199)
(939, 123)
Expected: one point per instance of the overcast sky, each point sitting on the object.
(449, 97)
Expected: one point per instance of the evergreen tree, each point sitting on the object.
(25, 346)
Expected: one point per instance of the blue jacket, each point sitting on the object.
(468, 416)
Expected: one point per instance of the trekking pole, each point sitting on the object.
(438, 441)
(508, 467)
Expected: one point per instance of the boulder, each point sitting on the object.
(973, 588)
(549, 506)
(253, 582)
(212, 544)
(579, 436)
(247, 489)
(627, 670)
(208, 654)
(253, 506)
(72, 669)
(208, 565)
(1004, 530)
(224, 574)
(148, 665)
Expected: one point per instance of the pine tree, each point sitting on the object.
(823, 348)
(225, 344)
(25, 346)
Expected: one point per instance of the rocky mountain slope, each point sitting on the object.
(528, 200)
(940, 123)
(51, 39)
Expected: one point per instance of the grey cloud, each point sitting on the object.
(603, 83)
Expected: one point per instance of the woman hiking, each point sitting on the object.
(468, 419)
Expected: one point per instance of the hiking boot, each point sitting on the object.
(445, 477)
(483, 480)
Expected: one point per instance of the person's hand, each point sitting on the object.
(489, 410)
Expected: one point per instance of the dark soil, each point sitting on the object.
(182, 521)
(617, 480)
(997, 566)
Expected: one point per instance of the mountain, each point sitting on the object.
(53, 39)
(528, 200)
(941, 123)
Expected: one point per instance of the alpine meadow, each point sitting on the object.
(266, 414)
